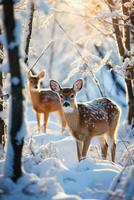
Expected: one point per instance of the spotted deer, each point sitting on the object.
(99, 117)
(44, 101)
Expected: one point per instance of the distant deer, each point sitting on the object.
(99, 117)
(44, 101)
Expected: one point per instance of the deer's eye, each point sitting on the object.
(61, 96)
(72, 95)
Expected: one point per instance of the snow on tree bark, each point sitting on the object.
(15, 143)
(124, 45)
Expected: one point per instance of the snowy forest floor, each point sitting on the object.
(53, 172)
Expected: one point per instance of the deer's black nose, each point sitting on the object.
(66, 104)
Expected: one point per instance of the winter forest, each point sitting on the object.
(66, 99)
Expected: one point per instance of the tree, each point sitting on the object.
(28, 38)
(15, 137)
(122, 35)
(2, 123)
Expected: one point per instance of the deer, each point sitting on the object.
(98, 117)
(44, 101)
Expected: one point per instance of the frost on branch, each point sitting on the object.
(128, 5)
(85, 65)
(127, 68)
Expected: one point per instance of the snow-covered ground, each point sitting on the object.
(51, 169)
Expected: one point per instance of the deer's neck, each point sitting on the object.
(34, 93)
(72, 119)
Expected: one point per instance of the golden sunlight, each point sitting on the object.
(77, 4)
(90, 8)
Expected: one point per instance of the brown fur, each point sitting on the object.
(99, 117)
(44, 102)
(84, 132)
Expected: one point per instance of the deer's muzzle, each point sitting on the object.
(66, 104)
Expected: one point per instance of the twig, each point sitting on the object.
(85, 17)
(126, 148)
(79, 53)
(30, 147)
(42, 53)
(114, 187)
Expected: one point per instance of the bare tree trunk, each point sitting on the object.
(30, 25)
(15, 137)
(117, 30)
(126, 25)
(130, 101)
(2, 124)
(132, 26)
(131, 107)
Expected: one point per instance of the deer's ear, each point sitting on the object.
(54, 86)
(30, 74)
(41, 74)
(78, 85)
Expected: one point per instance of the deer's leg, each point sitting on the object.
(62, 119)
(113, 135)
(79, 149)
(112, 147)
(38, 121)
(45, 121)
(104, 147)
(113, 151)
(85, 147)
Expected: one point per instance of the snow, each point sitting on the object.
(53, 172)
(8, 165)
(15, 80)
(3, 115)
(9, 159)
(21, 133)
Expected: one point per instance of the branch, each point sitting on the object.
(83, 58)
(42, 53)
(32, 9)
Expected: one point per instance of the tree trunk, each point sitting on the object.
(121, 47)
(2, 123)
(126, 25)
(30, 25)
(130, 101)
(117, 30)
(15, 137)
(132, 26)
(127, 46)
